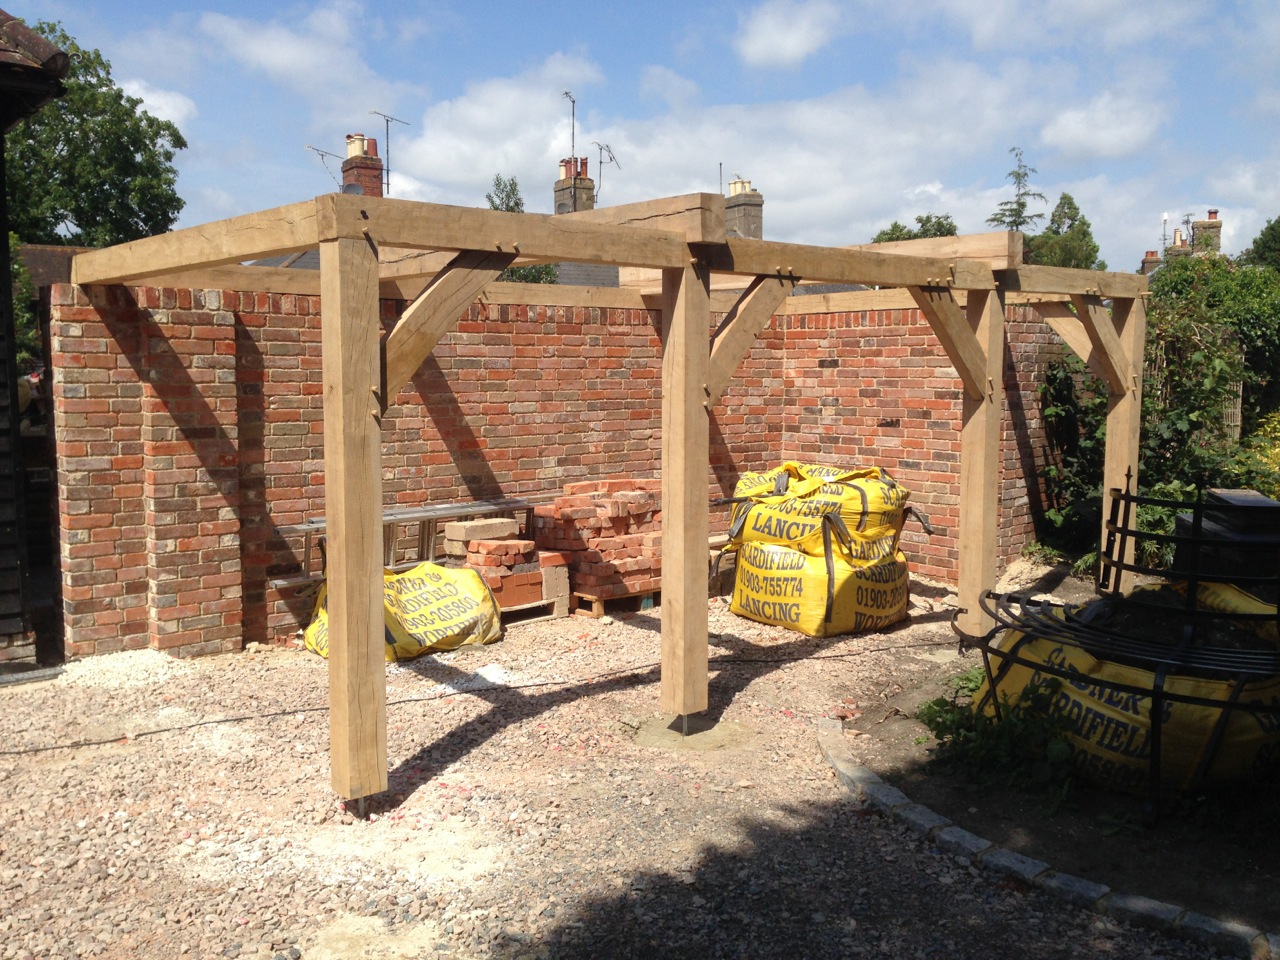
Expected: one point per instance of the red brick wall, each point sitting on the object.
(190, 430)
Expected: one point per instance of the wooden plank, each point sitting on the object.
(1124, 413)
(686, 466)
(436, 312)
(745, 320)
(432, 226)
(953, 331)
(980, 466)
(557, 295)
(1000, 250)
(353, 512)
(242, 278)
(648, 280)
(826, 264)
(1108, 353)
(268, 233)
(1068, 280)
(698, 217)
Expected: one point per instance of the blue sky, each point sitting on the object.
(845, 114)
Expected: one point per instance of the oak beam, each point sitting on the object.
(698, 217)
(1070, 280)
(353, 513)
(950, 326)
(686, 466)
(980, 465)
(436, 311)
(254, 236)
(1067, 325)
(750, 315)
(1124, 415)
(818, 264)
(1108, 353)
(432, 226)
(999, 250)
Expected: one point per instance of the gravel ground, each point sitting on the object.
(538, 808)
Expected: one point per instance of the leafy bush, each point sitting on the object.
(1026, 749)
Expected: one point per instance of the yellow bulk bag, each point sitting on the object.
(787, 506)
(818, 596)
(1110, 730)
(427, 608)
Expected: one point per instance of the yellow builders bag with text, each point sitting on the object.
(817, 549)
(427, 608)
(819, 596)
(789, 505)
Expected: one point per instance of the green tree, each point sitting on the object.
(1067, 241)
(927, 225)
(29, 350)
(1013, 214)
(505, 195)
(1265, 249)
(92, 168)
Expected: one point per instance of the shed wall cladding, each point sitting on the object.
(190, 429)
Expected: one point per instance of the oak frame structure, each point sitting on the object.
(441, 258)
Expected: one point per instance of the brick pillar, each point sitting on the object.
(191, 487)
(97, 412)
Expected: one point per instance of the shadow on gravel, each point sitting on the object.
(839, 886)
(733, 670)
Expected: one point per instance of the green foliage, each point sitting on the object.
(1073, 404)
(1259, 459)
(92, 168)
(505, 195)
(927, 225)
(1013, 214)
(1026, 748)
(29, 351)
(1067, 241)
(1225, 319)
(1265, 249)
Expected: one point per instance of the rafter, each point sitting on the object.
(750, 315)
(436, 311)
(251, 237)
(1068, 280)
(1108, 353)
(947, 318)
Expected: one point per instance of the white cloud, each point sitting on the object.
(1023, 26)
(516, 126)
(169, 105)
(664, 84)
(318, 60)
(784, 33)
(1106, 127)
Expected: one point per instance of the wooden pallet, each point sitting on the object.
(535, 612)
(586, 605)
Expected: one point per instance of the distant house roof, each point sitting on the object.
(305, 260)
(31, 71)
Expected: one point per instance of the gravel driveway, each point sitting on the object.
(538, 808)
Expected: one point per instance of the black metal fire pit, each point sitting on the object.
(1203, 648)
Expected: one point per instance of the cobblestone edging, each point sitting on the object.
(1167, 918)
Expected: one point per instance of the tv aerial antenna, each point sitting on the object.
(322, 154)
(605, 152)
(386, 149)
(573, 148)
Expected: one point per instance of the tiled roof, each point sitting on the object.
(31, 71)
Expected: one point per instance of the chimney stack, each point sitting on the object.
(363, 167)
(1207, 234)
(1150, 262)
(744, 210)
(575, 190)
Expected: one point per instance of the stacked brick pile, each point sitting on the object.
(515, 570)
(610, 531)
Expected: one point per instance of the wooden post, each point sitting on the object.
(686, 466)
(980, 464)
(353, 513)
(1124, 415)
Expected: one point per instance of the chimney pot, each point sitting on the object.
(1213, 213)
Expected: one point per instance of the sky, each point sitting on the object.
(844, 114)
